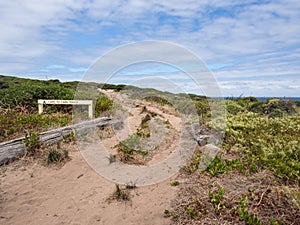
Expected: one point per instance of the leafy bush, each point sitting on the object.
(266, 142)
(14, 123)
(158, 100)
(103, 104)
(32, 143)
(274, 107)
(27, 95)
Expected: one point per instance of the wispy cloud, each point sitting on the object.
(239, 41)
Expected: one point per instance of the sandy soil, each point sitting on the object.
(75, 194)
(31, 193)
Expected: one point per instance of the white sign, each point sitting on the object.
(89, 103)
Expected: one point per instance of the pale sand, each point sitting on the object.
(76, 194)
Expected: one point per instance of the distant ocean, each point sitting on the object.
(266, 98)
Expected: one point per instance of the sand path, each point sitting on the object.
(76, 194)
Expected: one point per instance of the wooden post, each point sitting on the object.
(40, 108)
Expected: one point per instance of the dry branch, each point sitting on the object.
(16, 148)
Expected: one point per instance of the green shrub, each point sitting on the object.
(274, 107)
(103, 104)
(32, 143)
(14, 123)
(145, 120)
(27, 95)
(265, 142)
(55, 156)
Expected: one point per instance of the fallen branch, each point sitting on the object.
(13, 149)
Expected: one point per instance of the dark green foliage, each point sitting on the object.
(145, 120)
(242, 210)
(192, 213)
(14, 123)
(274, 107)
(55, 156)
(103, 104)
(114, 87)
(158, 100)
(23, 92)
(175, 183)
(220, 166)
(32, 143)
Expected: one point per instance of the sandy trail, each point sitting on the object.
(76, 194)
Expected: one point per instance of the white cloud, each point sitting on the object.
(253, 40)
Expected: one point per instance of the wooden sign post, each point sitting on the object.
(89, 103)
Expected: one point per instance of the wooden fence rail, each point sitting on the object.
(16, 148)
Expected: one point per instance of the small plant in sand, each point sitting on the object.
(242, 210)
(175, 183)
(216, 198)
(120, 194)
(168, 213)
(69, 137)
(129, 148)
(32, 143)
(145, 121)
(55, 156)
(191, 212)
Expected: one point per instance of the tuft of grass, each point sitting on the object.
(192, 213)
(121, 195)
(55, 156)
(130, 147)
(145, 120)
(175, 183)
(69, 137)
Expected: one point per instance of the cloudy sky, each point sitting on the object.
(251, 47)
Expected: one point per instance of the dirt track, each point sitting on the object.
(75, 194)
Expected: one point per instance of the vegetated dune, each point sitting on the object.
(241, 185)
(73, 193)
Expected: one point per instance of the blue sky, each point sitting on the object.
(251, 47)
